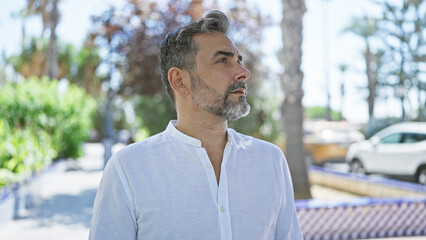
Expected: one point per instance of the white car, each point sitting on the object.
(398, 150)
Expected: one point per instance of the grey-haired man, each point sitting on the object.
(198, 179)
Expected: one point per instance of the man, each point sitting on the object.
(198, 179)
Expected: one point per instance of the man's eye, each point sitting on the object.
(222, 60)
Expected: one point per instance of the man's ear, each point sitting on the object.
(178, 79)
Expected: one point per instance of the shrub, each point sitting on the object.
(38, 123)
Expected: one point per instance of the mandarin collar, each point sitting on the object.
(182, 137)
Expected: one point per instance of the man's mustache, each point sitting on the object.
(236, 86)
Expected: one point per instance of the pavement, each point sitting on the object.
(63, 208)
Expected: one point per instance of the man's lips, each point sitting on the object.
(239, 91)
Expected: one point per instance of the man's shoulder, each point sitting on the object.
(143, 148)
(249, 142)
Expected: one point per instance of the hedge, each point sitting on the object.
(40, 123)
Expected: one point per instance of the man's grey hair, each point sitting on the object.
(179, 49)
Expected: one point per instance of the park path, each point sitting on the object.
(63, 208)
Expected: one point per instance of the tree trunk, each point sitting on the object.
(342, 97)
(403, 114)
(291, 58)
(420, 114)
(402, 78)
(371, 79)
(109, 139)
(52, 51)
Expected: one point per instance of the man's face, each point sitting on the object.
(218, 83)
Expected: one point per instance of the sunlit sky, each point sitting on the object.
(342, 48)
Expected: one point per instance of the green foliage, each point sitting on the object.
(78, 65)
(153, 113)
(320, 112)
(142, 134)
(40, 122)
(32, 47)
(263, 121)
(73, 121)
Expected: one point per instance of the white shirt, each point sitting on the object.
(165, 188)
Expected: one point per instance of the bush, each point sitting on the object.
(39, 123)
(73, 122)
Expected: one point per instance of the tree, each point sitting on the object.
(320, 112)
(291, 58)
(401, 30)
(52, 50)
(48, 10)
(32, 59)
(366, 28)
(76, 65)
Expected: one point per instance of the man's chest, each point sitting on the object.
(188, 200)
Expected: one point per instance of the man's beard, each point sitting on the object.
(221, 106)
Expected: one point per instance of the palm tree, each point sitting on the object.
(48, 10)
(366, 28)
(291, 58)
(402, 34)
(52, 49)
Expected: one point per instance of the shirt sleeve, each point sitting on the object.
(113, 213)
(287, 224)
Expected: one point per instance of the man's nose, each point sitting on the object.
(242, 75)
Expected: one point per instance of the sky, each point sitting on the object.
(319, 50)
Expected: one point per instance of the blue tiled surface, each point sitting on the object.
(364, 218)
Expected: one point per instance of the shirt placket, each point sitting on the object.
(211, 177)
(219, 193)
(223, 199)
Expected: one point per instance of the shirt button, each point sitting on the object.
(222, 209)
(208, 166)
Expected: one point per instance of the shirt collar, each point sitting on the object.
(180, 136)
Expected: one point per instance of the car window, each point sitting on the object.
(413, 137)
(391, 138)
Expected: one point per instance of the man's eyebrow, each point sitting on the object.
(228, 54)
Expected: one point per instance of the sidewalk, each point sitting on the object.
(64, 207)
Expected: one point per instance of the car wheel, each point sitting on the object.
(421, 176)
(356, 167)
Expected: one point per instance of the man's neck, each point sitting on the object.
(212, 132)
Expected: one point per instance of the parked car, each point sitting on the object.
(328, 141)
(398, 150)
